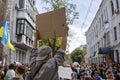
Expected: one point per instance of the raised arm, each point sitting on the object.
(59, 57)
(64, 38)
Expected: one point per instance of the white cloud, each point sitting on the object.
(76, 37)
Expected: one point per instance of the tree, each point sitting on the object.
(70, 16)
(77, 55)
(67, 57)
(53, 43)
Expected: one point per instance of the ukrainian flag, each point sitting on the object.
(97, 54)
(4, 34)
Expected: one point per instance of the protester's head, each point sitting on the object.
(96, 74)
(109, 75)
(44, 53)
(11, 66)
(20, 70)
(88, 78)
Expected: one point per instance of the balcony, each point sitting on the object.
(23, 42)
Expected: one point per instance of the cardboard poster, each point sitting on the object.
(50, 24)
(65, 72)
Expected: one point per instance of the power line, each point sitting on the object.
(86, 14)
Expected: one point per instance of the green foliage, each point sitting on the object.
(67, 57)
(77, 55)
(53, 43)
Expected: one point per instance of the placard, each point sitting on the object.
(50, 24)
(65, 72)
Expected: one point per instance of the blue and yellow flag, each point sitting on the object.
(4, 34)
(97, 54)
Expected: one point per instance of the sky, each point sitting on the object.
(80, 26)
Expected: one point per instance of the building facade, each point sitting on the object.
(2, 16)
(103, 33)
(21, 22)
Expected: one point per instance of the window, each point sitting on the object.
(20, 56)
(30, 10)
(29, 32)
(102, 21)
(112, 8)
(115, 33)
(17, 55)
(106, 13)
(117, 4)
(97, 30)
(98, 45)
(24, 28)
(23, 57)
(117, 52)
(19, 38)
(20, 27)
(21, 3)
(108, 38)
(33, 2)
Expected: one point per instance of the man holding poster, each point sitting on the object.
(48, 25)
(44, 66)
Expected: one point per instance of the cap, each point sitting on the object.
(43, 51)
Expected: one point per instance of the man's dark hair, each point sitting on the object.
(21, 69)
(11, 66)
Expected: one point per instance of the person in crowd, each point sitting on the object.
(82, 74)
(45, 67)
(6, 67)
(118, 74)
(20, 72)
(88, 78)
(74, 75)
(102, 72)
(110, 75)
(1, 73)
(97, 76)
(10, 73)
(89, 71)
(27, 73)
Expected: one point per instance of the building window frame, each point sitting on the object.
(117, 52)
(112, 8)
(22, 4)
(117, 4)
(115, 33)
(20, 25)
(21, 28)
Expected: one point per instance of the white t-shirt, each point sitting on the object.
(10, 73)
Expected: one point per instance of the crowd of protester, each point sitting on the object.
(15, 72)
(101, 71)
